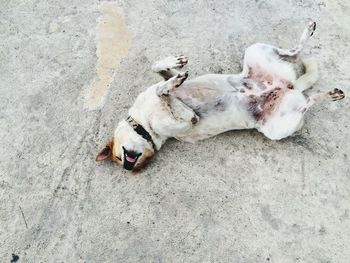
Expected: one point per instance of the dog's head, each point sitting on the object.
(127, 148)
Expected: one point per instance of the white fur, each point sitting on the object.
(215, 103)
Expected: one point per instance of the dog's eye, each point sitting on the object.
(118, 158)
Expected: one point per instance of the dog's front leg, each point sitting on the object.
(168, 67)
(166, 87)
(180, 113)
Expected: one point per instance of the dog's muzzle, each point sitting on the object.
(130, 159)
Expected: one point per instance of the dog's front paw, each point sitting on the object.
(336, 94)
(181, 61)
(171, 84)
(180, 78)
(170, 63)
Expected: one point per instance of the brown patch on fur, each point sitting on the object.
(143, 161)
(194, 120)
(250, 72)
(266, 103)
(166, 74)
(247, 85)
(259, 75)
(115, 157)
(166, 104)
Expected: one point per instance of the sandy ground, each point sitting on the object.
(69, 70)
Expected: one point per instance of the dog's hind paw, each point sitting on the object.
(311, 27)
(336, 94)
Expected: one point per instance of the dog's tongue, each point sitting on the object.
(130, 159)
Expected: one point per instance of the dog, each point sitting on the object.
(267, 95)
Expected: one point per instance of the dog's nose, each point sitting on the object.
(128, 166)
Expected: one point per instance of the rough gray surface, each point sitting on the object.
(235, 198)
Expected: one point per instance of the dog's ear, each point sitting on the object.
(106, 153)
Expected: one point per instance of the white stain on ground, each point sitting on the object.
(113, 42)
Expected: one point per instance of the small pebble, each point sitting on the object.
(53, 27)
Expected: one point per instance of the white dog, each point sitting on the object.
(267, 96)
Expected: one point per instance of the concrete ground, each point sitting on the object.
(237, 197)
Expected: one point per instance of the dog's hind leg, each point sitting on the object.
(167, 66)
(290, 120)
(333, 95)
(309, 77)
(294, 52)
(308, 72)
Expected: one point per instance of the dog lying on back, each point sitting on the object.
(267, 95)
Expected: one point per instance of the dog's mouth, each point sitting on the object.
(130, 159)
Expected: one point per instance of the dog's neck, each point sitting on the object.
(146, 132)
(140, 130)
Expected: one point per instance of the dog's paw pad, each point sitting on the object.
(181, 61)
(171, 62)
(311, 27)
(194, 119)
(180, 78)
(336, 94)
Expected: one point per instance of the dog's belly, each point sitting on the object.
(220, 105)
(225, 102)
(215, 124)
(211, 95)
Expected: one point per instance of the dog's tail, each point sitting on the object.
(310, 76)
